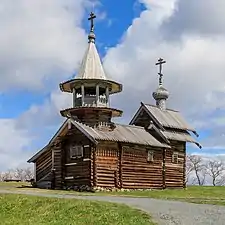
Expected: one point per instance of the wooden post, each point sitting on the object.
(74, 97)
(184, 167)
(35, 177)
(120, 162)
(107, 96)
(97, 94)
(94, 168)
(164, 169)
(82, 93)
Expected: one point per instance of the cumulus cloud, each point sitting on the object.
(204, 17)
(194, 73)
(14, 144)
(41, 42)
(41, 45)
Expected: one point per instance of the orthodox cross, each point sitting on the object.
(91, 18)
(160, 63)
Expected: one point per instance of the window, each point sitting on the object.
(150, 156)
(175, 157)
(76, 151)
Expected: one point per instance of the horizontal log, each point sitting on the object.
(109, 175)
(106, 169)
(140, 169)
(137, 186)
(140, 179)
(143, 181)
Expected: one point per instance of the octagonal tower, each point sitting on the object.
(91, 89)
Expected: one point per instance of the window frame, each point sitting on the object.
(150, 156)
(76, 151)
(175, 155)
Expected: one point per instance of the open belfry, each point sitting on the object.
(91, 151)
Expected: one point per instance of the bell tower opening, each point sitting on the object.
(91, 89)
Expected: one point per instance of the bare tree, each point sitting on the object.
(19, 174)
(1, 176)
(199, 168)
(28, 173)
(189, 169)
(8, 174)
(215, 169)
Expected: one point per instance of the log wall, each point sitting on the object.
(76, 171)
(106, 165)
(175, 172)
(57, 166)
(44, 165)
(137, 172)
(93, 117)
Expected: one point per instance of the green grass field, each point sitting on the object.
(195, 194)
(22, 209)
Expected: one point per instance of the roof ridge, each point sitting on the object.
(157, 107)
(130, 125)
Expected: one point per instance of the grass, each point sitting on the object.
(194, 194)
(9, 185)
(21, 209)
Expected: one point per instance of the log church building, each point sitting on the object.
(90, 150)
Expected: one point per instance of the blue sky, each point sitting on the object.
(41, 48)
(117, 21)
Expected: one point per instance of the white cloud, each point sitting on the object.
(202, 16)
(49, 43)
(194, 73)
(41, 42)
(14, 144)
(41, 45)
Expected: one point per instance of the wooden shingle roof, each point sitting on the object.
(122, 133)
(169, 118)
(91, 66)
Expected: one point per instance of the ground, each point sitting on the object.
(164, 212)
(194, 194)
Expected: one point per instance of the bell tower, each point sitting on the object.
(91, 88)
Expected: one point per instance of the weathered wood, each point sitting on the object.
(106, 162)
(43, 165)
(92, 117)
(175, 171)
(113, 164)
(137, 171)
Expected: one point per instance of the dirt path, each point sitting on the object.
(164, 212)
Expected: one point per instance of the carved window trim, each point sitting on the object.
(175, 158)
(76, 151)
(150, 157)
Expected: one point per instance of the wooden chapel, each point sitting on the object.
(89, 150)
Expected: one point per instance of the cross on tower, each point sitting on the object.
(160, 63)
(91, 18)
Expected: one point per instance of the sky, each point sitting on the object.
(42, 44)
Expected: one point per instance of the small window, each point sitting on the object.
(150, 156)
(175, 157)
(76, 151)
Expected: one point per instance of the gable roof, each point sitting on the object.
(61, 130)
(164, 118)
(176, 135)
(180, 136)
(121, 133)
(169, 118)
